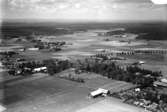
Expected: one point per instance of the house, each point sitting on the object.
(138, 63)
(40, 69)
(2, 108)
(160, 84)
(141, 62)
(99, 92)
(21, 49)
(164, 80)
(33, 49)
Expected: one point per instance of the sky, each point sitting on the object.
(84, 10)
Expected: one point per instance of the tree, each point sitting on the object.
(50, 66)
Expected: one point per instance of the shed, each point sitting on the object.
(98, 92)
(39, 69)
(33, 49)
(164, 80)
(161, 84)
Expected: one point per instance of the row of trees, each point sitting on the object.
(132, 74)
(56, 66)
(21, 66)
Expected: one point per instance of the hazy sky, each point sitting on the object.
(84, 10)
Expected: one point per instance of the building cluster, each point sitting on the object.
(24, 67)
(108, 56)
(150, 100)
(53, 46)
(161, 83)
(16, 64)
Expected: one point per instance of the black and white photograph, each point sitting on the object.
(83, 55)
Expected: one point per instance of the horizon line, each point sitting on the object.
(36, 20)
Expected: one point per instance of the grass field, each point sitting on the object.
(110, 105)
(49, 93)
(153, 62)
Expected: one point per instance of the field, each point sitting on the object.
(85, 44)
(47, 94)
(110, 105)
(154, 62)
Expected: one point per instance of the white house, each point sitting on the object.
(141, 62)
(99, 92)
(2, 108)
(39, 69)
(33, 49)
(164, 80)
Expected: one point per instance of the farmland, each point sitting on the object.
(61, 91)
(47, 94)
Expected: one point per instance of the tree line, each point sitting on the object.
(133, 74)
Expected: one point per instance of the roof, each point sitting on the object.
(164, 80)
(33, 49)
(99, 91)
(160, 84)
(2, 108)
(40, 68)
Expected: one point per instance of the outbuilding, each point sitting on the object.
(33, 49)
(40, 69)
(160, 84)
(164, 80)
(99, 92)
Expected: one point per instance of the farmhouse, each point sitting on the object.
(160, 84)
(2, 108)
(33, 49)
(99, 92)
(40, 69)
(138, 63)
